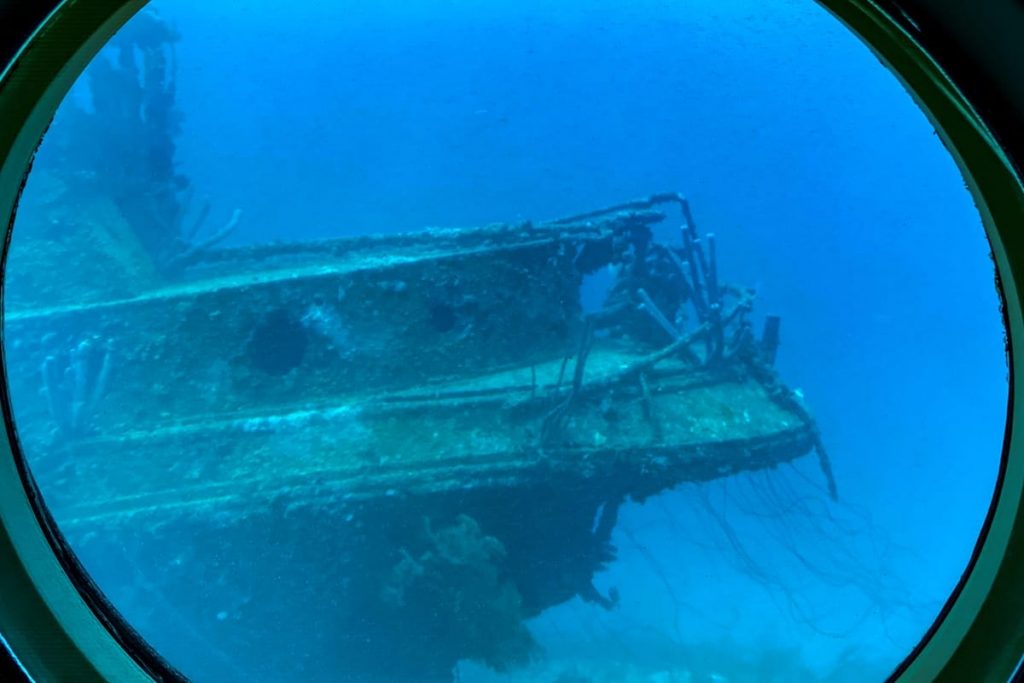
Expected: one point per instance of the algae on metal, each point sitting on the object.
(435, 408)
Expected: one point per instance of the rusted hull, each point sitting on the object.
(418, 440)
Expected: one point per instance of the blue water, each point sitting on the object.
(828, 190)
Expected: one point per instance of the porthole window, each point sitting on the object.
(399, 341)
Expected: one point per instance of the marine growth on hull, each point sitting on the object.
(423, 438)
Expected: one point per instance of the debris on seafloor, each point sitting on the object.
(415, 441)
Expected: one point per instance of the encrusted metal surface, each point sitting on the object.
(425, 421)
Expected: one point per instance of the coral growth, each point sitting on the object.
(325, 321)
(74, 382)
(118, 140)
(454, 589)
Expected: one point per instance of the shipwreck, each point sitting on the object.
(405, 444)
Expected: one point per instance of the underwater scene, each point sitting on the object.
(493, 342)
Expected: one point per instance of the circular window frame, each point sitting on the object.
(60, 627)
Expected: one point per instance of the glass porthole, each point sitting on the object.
(409, 342)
